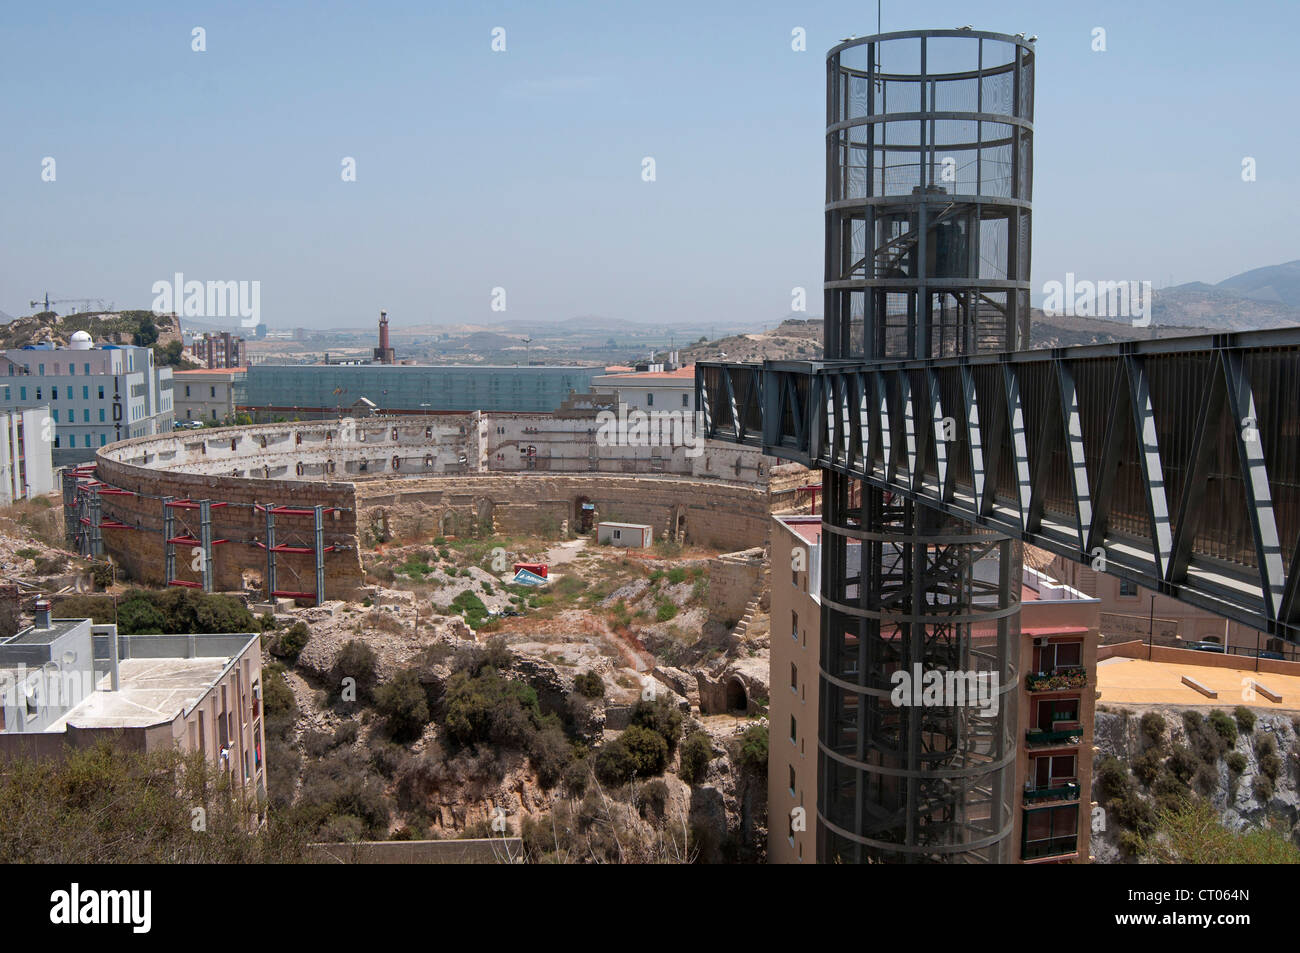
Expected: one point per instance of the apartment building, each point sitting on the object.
(209, 395)
(1056, 654)
(71, 683)
(651, 390)
(221, 349)
(96, 394)
(26, 463)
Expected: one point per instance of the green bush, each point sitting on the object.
(101, 573)
(290, 643)
(1147, 765)
(1236, 762)
(665, 611)
(589, 685)
(648, 749)
(1262, 788)
(1111, 778)
(488, 707)
(1245, 719)
(404, 705)
(1224, 724)
(697, 752)
(614, 763)
(660, 717)
(753, 748)
(1182, 763)
(277, 697)
(27, 553)
(1153, 728)
(355, 660)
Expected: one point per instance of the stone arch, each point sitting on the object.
(737, 696)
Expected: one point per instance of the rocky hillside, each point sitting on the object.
(1151, 767)
(125, 327)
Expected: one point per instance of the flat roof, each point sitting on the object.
(34, 636)
(806, 527)
(151, 691)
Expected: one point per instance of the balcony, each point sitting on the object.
(1070, 736)
(1068, 791)
(1050, 847)
(1058, 679)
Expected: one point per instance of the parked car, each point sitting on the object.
(1206, 647)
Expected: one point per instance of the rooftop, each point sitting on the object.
(152, 691)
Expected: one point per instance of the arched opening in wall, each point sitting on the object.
(299, 468)
(584, 514)
(737, 697)
(394, 433)
(428, 433)
(448, 525)
(397, 462)
(232, 444)
(486, 525)
(679, 525)
(428, 461)
(297, 439)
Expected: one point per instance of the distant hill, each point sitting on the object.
(1278, 284)
(1253, 300)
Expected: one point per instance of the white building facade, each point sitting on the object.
(26, 462)
(96, 395)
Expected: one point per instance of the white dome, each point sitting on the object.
(81, 341)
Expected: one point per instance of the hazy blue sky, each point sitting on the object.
(522, 169)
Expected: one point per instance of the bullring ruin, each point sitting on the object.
(286, 508)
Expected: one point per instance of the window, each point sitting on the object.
(1053, 771)
(187, 390)
(1050, 832)
(42, 369)
(54, 393)
(85, 392)
(22, 393)
(38, 393)
(103, 439)
(1056, 655)
(794, 732)
(101, 391)
(794, 626)
(101, 415)
(212, 392)
(1128, 587)
(72, 370)
(6, 393)
(87, 370)
(794, 677)
(686, 400)
(1056, 711)
(56, 416)
(649, 400)
(792, 780)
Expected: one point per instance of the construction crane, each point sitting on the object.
(85, 302)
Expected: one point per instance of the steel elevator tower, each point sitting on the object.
(929, 166)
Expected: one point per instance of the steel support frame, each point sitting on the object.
(873, 405)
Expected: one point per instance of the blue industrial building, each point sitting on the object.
(307, 391)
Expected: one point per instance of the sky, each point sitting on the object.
(522, 169)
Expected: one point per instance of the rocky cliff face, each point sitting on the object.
(1251, 781)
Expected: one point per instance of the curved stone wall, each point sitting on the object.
(385, 479)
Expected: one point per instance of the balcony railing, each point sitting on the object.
(1035, 737)
(1051, 847)
(1058, 679)
(1065, 792)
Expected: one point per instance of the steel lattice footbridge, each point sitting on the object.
(1173, 463)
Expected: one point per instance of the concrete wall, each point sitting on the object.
(795, 649)
(542, 503)
(494, 850)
